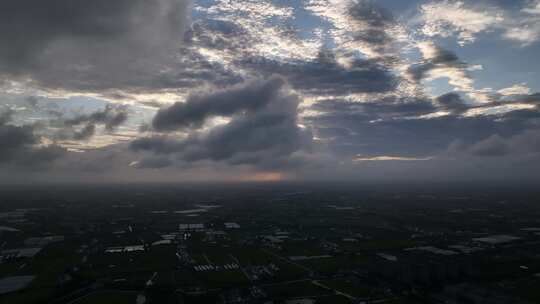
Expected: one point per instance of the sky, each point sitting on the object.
(269, 90)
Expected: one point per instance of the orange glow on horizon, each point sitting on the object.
(265, 177)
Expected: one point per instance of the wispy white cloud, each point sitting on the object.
(361, 158)
(447, 18)
(266, 27)
(498, 110)
(440, 63)
(526, 28)
(517, 89)
(361, 26)
(467, 20)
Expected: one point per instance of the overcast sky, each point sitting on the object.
(267, 90)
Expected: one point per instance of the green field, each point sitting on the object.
(295, 289)
(112, 297)
(335, 264)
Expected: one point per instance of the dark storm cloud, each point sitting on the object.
(263, 128)
(14, 138)
(83, 127)
(198, 107)
(373, 26)
(372, 133)
(440, 58)
(324, 76)
(111, 117)
(523, 143)
(17, 145)
(85, 133)
(370, 110)
(157, 144)
(89, 45)
(271, 133)
(452, 102)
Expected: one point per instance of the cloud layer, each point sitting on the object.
(19, 145)
(263, 129)
(334, 88)
(82, 45)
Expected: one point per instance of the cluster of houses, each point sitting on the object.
(232, 266)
